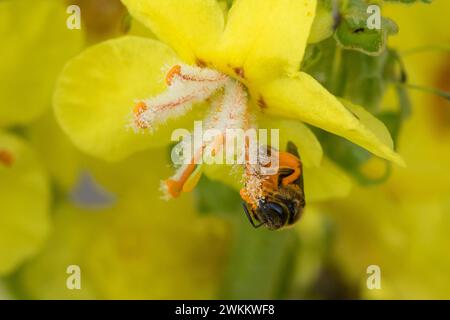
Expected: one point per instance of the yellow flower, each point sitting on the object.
(252, 60)
(35, 45)
(25, 201)
(141, 247)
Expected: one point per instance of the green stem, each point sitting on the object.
(336, 68)
(440, 93)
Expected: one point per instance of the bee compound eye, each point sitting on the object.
(275, 207)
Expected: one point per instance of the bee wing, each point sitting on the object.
(292, 149)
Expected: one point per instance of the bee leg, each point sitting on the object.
(249, 217)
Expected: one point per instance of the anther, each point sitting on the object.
(174, 71)
(138, 110)
(194, 74)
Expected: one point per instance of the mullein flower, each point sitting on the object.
(25, 201)
(137, 248)
(35, 45)
(252, 61)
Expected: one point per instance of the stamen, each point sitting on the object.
(186, 86)
(174, 186)
(232, 112)
(6, 158)
(195, 74)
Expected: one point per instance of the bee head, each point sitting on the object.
(282, 210)
(273, 215)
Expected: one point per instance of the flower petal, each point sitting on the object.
(266, 38)
(63, 166)
(35, 45)
(292, 130)
(95, 95)
(303, 98)
(24, 199)
(188, 26)
(326, 182)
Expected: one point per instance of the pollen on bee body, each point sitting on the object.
(6, 158)
(253, 182)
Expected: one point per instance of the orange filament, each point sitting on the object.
(6, 158)
(174, 71)
(175, 187)
(138, 110)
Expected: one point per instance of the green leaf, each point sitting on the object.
(353, 32)
(363, 81)
(216, 197)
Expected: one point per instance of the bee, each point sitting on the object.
(282, 199)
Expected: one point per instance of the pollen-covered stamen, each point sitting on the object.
(185, 177)
(186, 73)
(231, 113)
(186, 86)
(173, 186)
(6, 158)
